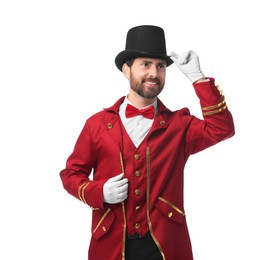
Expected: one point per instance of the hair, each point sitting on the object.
(129, 62)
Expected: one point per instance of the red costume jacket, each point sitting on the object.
(154, 169)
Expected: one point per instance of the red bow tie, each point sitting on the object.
(132, 111)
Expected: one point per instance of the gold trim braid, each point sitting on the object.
(148, 204)
(171, 205)
(81, 191)
(124, 211)
(101, 220)
(214, 106)
(214, 111)
(210, 110)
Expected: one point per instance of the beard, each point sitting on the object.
(144, 91)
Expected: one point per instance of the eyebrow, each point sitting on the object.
(149, 61)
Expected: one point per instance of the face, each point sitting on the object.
(146, 76)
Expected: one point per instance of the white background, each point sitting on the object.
(57, 68)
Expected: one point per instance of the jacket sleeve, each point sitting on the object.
(79, 165)
(217, 124)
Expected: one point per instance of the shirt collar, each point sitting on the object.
(126, 101)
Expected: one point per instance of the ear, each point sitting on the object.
(126, 70)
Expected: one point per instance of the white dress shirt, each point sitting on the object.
(137, 127)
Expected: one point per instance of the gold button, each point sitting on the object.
(137, 207)
(137, 226)
(109, 126)
(170, 214)
(219, 89)
(137, 192)
(104, 229)
(162, 122)
(136, 156)
(138, 173)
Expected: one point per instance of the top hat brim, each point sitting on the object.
(125, 55)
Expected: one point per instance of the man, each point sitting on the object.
(137, 150)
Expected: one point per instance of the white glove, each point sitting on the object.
(115, 190)
(188, 63)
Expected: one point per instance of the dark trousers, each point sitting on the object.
(142, 248)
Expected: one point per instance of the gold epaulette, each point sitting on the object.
(214, 109)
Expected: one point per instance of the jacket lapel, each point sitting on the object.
(112, 122)
(113, 128)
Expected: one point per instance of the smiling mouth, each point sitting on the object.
(152, 83)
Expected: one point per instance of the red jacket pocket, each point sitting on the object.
(103, 222)
(169, 210)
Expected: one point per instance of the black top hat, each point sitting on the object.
(144, 41)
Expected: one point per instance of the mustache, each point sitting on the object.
(155, 80)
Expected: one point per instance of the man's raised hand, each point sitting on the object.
(188, 63)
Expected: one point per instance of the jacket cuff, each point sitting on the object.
(211, 98)
(91, 193)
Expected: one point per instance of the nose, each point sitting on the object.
(153, 71)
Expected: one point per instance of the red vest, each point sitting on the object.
(135, 170)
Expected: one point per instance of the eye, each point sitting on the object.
(147, 64)
(161, 66)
